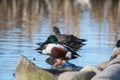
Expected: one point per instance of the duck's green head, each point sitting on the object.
(52, 39)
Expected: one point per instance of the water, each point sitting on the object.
(24, 23)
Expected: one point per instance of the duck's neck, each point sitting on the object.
(57, 32)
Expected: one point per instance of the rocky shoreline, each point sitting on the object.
(109, 70)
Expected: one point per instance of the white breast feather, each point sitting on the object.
(69, 54)
(50, 46)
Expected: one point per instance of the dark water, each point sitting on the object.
(23, 23)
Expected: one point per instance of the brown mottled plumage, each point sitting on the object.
(70, 40)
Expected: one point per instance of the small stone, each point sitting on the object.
(34, 59)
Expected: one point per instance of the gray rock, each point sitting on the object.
(77, 75)
(85, 75)
(28, 71)
(115, 61)
(115, 53)
(102, 65)
(68, 75)
(111, 72)
(90, 69)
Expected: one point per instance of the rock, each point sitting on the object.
(90, 69)
(84, 74)
(115, 53)
(28, 71)
(115, 61)
(68, 75)
(102, 65)
(111, 72)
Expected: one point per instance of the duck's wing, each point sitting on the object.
(73, 46)
(41, 46)
(40, 49)
(75, 39)
(83, 40)
(68, 48)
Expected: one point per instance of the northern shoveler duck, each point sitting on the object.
(72, 41)
(57, 50)
(116, 51)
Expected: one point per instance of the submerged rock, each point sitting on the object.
(28, 71)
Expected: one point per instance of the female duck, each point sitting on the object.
(72, 41)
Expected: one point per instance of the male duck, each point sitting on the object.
(57, 50)
(72, 41)
(116, 51)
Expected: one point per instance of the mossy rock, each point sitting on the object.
(26, 70)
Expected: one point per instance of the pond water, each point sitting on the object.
(23, 23)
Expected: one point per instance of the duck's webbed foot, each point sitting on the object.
(57, 63)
